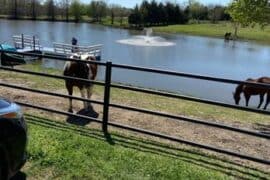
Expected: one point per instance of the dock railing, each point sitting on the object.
(68, 49)
(107, 83)
(26, 42)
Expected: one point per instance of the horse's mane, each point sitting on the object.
(239, 89)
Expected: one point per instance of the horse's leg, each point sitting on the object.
(261, 100)
(247, 96)
(89, 94)
(70, 92)
(267, 101)
(83, 96)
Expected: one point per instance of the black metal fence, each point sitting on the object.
(109, 66)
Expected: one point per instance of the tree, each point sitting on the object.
(153, 13)
(14, 9)
(216, 13)
(97, 10)
(115, 10)
(249, 13)
(76, 10)
(135, 17)
(144, 10)
(65, 4)
(170, 12)
(33, 8)
(197, 10)
(50, 6)
(3, 7)
(162, 14)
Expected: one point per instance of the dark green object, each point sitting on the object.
(9, 59)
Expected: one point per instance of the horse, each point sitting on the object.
(83, 71)
(250, 90)
(228, 36)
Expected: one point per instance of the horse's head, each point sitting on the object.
(236, 97)
(93, 67)
(75, 56)
(88, 57)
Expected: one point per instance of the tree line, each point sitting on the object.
(154, 13)
(147, 13)
(61, 9)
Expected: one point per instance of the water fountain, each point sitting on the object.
(146, 40)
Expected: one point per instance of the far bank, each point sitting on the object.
(207, 29)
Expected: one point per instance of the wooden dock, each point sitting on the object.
(25, 43)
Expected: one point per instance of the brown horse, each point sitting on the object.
(250, 90)
(80, 70)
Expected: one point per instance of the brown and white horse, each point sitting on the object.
(250, 90)
(83, 71)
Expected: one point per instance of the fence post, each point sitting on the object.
(107, 89)
(34, 42)
(22, 41)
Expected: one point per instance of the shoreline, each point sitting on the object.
(204, 29)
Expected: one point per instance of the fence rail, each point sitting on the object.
(107, 105)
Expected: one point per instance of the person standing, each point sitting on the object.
(74, 42)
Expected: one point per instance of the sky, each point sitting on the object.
(132, 3)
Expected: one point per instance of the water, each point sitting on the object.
(199, 55)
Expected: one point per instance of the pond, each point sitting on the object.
(190, 54)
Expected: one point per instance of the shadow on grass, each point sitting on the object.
(80, 121)
(19, 176)
(195, 157)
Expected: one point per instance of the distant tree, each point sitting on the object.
(115, 10)
(123, 13)
(162, 14)
(34, 9)
(180, 17)
(14, 9)
(215, 13)
(3, 7)
(50, 7)
(97, 10)
(153, 13)
(197, 10)
(144, 10)
(112, 13)
(76, 10)
(249, 13)
(66, 4)
(170, 12)
(135, 17)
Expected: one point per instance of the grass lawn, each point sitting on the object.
(218, 30)
(62, 151)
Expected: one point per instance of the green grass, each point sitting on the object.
(218, 30)
(62, 151)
